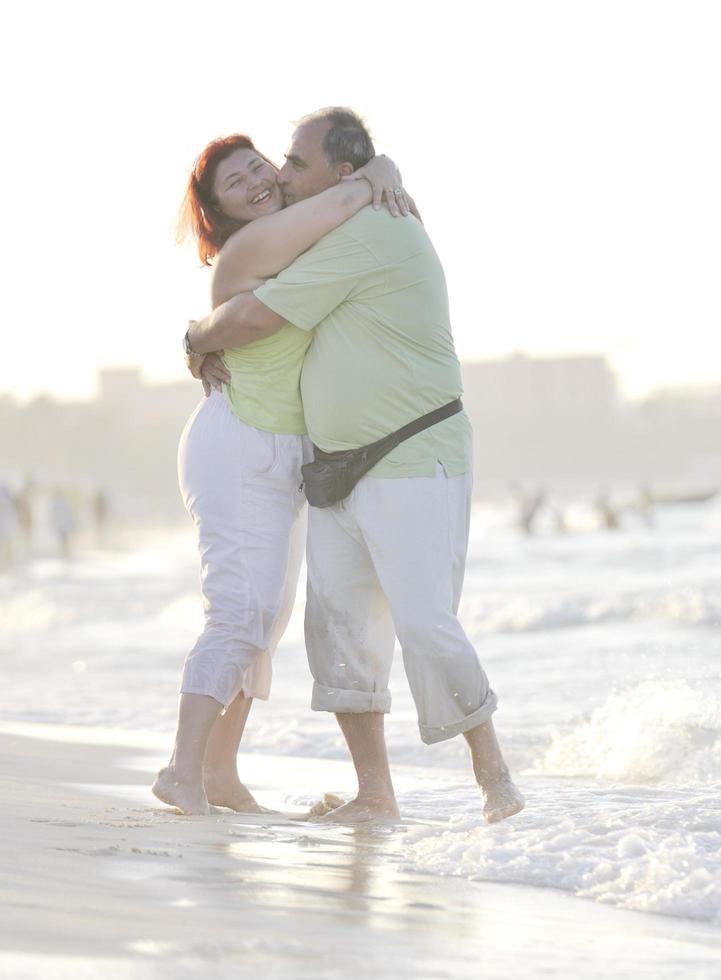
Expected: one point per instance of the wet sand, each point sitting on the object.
(99, 879)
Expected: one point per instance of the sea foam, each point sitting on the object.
(659, 731)
(644, 849)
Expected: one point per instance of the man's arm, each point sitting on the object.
(303, 294)
(238, 322)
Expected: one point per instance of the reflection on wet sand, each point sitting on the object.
(349, 869)
(354, 878)
(99, 881)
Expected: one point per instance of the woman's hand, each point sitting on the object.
(213, 372)
(413, 208)
(385, 180)
(194, 363)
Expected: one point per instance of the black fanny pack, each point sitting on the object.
(332, 476)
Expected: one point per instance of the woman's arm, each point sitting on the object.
(267, 245)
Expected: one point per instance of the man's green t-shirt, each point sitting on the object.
(382, 353)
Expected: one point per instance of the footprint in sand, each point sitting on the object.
(152, 853)
(54, 822)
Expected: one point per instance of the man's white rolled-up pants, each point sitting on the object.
(389, 561)
(242, 487)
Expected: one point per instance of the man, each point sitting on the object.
(389, 559)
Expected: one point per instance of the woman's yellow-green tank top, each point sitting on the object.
(264, 390)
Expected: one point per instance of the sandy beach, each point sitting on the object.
(98, 879)
(604, 652)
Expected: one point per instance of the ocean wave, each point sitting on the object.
(483, 614)
(659, 731)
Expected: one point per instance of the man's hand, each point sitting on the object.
(214, 373)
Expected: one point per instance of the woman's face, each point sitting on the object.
(246, 186)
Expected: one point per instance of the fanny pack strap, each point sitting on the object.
(405, 432)
(426, 421)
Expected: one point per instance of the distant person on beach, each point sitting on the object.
(25, 514)
(388, 560)
(607, 513)
(8, 525)
(529, 508)
(559, 519)
(645, 505)
(100, 509)
(63, 521)
(241, 452)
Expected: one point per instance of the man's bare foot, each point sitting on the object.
(503, 799)
(228, 791)
(367, 809)
(189, 797)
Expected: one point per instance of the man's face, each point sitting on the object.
(306, 171)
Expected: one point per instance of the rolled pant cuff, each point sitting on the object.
(439, 733)
(337, 699)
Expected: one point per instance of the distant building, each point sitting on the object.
(118, 385)
(126, 441)
(526, 385)
(542, 418)
(539, 423)
(677, 424)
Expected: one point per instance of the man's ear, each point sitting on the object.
(345, 170)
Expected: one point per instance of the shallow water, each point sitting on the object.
(603, 648)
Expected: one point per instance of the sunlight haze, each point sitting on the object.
(565, 157)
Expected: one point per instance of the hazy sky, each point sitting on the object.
(565, 155)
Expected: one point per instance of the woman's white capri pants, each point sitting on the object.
(242, 487)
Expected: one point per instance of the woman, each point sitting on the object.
(239, 462)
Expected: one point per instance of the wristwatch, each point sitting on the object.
(186, 345)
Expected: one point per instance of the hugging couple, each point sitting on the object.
(330, 331)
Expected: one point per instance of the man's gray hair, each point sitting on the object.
(347, 139)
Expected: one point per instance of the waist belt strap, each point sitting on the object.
(400, 435)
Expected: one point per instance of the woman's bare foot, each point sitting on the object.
(227, 790)
(188, 796)
(366, 809)
(503, 799)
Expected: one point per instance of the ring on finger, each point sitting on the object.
(397, 191)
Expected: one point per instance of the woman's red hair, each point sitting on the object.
(200, 215)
